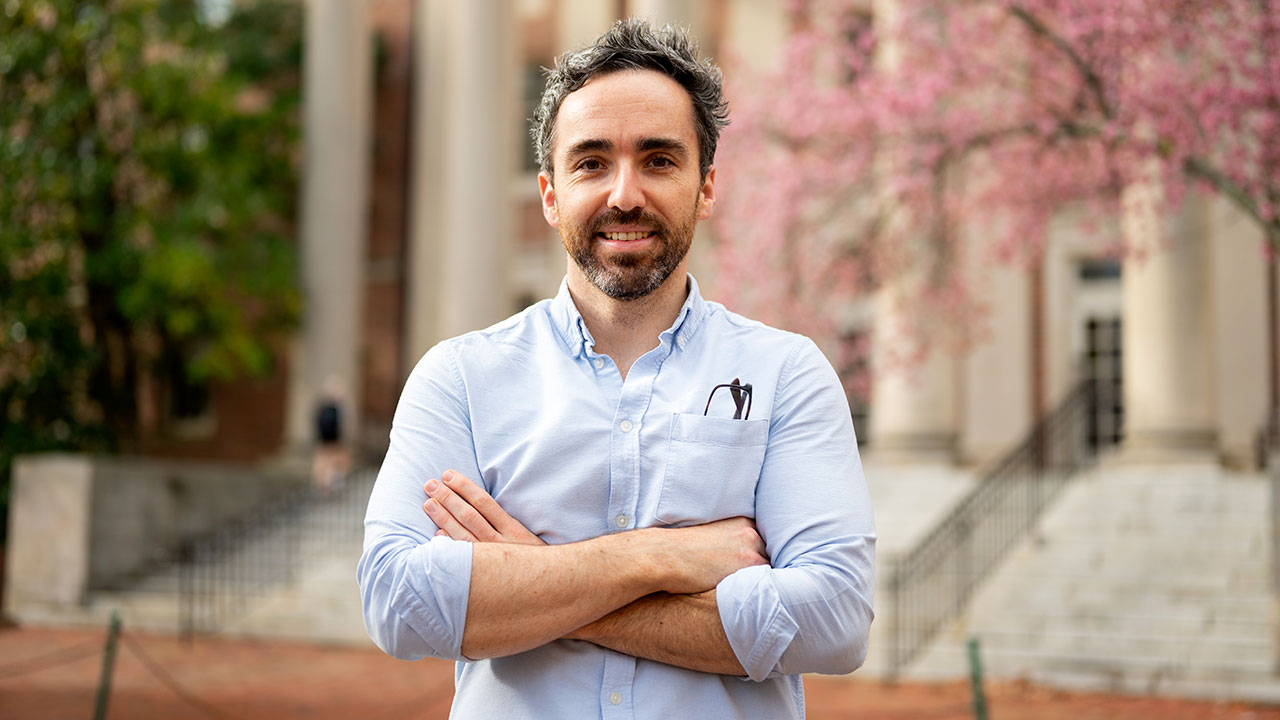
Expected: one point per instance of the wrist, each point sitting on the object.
(586, 632)
(660, 569)
(644, 556)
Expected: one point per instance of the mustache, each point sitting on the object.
(635, 216)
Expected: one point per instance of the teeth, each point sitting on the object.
(626, 235)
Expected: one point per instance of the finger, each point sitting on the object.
(507, 527)
(483, 502)
(463, 512)
(446, 521)
(446, 524)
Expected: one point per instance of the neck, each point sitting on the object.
(626, 329)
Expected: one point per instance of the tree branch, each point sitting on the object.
(1091, 78)
(1201, 170)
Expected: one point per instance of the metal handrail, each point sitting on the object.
(931, 583)
(222, 572)
(1267, 439)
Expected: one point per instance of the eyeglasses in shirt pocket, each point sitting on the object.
(713, 464)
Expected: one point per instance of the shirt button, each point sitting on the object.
(599, 363)
(615, 698)
(622, 521)
(680, 340)
(625, 426)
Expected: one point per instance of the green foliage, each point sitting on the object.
(148, 181)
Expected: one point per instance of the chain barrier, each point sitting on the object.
(52, 659)
(158, 671)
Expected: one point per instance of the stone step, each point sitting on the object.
(1187, 623)
(1205, 650)
(1138, 667)
(295, 579)
(324, 605)
(1136, 578)
(1131, 597)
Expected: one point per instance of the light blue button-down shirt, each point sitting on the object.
(548, 426)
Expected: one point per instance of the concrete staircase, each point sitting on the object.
(313, 548)
(1139, 579)
(908, 501)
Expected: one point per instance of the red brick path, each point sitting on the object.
(53, 674)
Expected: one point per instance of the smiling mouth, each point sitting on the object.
(625, 236)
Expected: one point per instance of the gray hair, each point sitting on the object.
(634, 45)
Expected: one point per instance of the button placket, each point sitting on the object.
(617, 686)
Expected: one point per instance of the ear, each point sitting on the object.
(548, 192)
(707, 195)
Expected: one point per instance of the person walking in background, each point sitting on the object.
(331, 460)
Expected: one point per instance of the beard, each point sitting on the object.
(629, 276)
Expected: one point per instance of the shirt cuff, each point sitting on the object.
(759, 628)
(433, 600)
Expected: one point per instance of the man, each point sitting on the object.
(638, 504)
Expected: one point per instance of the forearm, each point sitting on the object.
(524, 596)
(523, 593)
(680, 630)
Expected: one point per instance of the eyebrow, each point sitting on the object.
(671, 145)
(647, 144)
(583, 147)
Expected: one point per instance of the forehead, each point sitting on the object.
(625, 106)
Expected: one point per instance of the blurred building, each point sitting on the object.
(420, 213)
(421, 220)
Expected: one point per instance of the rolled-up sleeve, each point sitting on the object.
(811, 610)
(413, 585)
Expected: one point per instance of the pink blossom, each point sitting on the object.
(844, 170)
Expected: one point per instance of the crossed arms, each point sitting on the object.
(648, 593)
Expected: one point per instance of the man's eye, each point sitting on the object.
(590, 165)
(662, 162)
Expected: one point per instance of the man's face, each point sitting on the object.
(627, 193)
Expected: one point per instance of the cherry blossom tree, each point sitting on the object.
(889, 134)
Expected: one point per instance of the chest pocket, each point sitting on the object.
(712, 467)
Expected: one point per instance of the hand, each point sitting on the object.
(464, 511)
(699, 557)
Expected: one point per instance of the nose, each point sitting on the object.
(626, 193)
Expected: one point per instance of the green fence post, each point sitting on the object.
(975, 681)
(108, 666)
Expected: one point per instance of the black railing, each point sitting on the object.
(931, 583)
(220, 574)
(1266, 440)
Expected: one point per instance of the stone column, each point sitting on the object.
(1239, 322)
(1168, 396)
(995, 404)
(337, 92)
(466, 130)
(578, 22)
(913, 404)
(685, 13)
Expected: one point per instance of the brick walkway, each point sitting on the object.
(53, 674)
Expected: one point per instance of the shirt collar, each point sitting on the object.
(573, 330)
